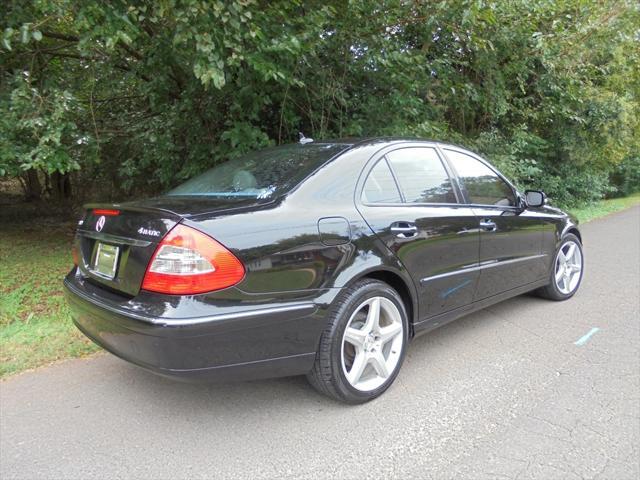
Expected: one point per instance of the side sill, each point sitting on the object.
(432, 323)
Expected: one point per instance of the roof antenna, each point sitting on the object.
(304, 139)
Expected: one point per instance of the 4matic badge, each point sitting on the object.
(146, 231)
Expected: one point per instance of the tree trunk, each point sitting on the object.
(61, 186)
(32, 186)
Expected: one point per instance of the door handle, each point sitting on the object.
(488, 225)
(404, 229)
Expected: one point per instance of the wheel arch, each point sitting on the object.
(400, 285)
(574, 231)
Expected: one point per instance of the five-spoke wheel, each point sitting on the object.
(568, 267)
(372, 343)
(363, 346)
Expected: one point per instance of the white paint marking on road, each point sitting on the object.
(585, 338)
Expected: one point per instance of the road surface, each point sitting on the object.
(509, 392)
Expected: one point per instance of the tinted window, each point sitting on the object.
(262, 173)
(483, 185)
(380, 186)
(421, 176)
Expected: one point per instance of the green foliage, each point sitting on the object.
(37, 130)
(141, 95)
(626, 176)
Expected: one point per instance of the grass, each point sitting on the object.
(35, 324)
(604, 207)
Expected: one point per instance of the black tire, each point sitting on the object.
(551, 291)
(327, 375)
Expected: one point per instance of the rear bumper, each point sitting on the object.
(266, 341)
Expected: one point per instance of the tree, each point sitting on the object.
(135, 97)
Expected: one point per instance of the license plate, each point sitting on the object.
(106, 260)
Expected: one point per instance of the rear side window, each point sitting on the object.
(421, 175)
(380, 186)
(483, 185)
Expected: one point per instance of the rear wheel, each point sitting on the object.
(363, 346)
(566, 274)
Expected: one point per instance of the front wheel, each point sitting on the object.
(363, 346)
(567, 271)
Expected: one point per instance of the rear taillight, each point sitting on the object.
(187, 262)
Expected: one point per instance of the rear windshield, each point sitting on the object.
(261, 174)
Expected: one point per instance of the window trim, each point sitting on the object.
(382, 155)
(463, 189)
(383, 158)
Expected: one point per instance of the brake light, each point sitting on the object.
(188, 262)
(106, 212)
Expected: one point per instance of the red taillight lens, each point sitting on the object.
(106, 212)
(188, 262)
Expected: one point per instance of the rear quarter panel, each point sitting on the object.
(308, 240)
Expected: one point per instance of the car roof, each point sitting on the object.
(390, 140)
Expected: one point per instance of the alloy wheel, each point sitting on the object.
(372, 344)
(568, 267)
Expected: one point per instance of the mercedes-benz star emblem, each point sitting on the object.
(100, 223)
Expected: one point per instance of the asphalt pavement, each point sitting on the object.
(525, 389)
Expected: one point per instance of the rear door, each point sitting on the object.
(411, 203)
(510, 236)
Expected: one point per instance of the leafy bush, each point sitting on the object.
(570, 186)
(626, 176)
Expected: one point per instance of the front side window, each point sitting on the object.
(421, 175)
(483, 185)
(380, 186)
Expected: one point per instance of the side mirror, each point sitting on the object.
(535, 198)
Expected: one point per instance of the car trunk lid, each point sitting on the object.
(115, 243)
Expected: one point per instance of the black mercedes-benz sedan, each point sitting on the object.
(321, 259)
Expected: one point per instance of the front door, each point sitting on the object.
(510, 236)
(409, 201)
